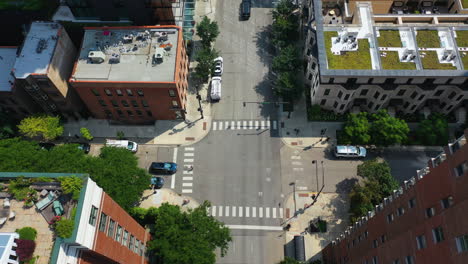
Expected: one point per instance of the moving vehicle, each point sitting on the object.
(218, 70)
(163, 168)
(215, 91)
(158, 182)
(83, 146)
(350, 152)
(130, 145)
(245, 9)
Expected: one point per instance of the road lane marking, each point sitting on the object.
(226, 211)
(187, 184)
(281, 212)
(296, 157)
(189, 154)
(226, 125)
(260, 212)
(220, 211)
(213, 211)
(186, 190)
(247, 211)
(187, 178)
(240, 211)
(253, 227)
(221, 125)
(188, 172)
(262, 124)
(274, 212)
(174, 159)
(234, 211)
(189, 149)
(298, 169)
(238, 124)
(297, 163)
(267, 211)
(301, 188)
(244, 124)
(254, 211)
(250, 124)
(188, 160)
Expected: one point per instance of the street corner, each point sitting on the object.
(155, 198)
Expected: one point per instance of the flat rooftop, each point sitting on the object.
(7, 62)
(130, 54)
(38, 48)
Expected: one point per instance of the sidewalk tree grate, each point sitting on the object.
(303, 195)
(287, 212)
(190, 138)
(204, 125)
(294, 143)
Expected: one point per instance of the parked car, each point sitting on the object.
(245, 9)
(158, 182)
(163, 168)
(218, 70)
(215, 90)
(130, 145)
(46, 145)
(350, 152)
(83, 146)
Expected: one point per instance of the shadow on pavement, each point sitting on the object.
(345, 186)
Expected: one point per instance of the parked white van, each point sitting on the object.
(130, 145)
(215, 91)
(350, 152)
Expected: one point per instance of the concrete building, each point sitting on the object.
(133, 74)
(365, 56)
(42, 69)
(8, 248)
(424, 221)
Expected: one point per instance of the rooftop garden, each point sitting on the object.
(389, 38)
(465, 3)
(428, 39)
(462, 37)
(357, 60)
(465, 62)
(431, 62)
(392, 62)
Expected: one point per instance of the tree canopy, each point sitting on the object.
(47, 127)
(433, 131)
(184, 237)
(115, 170)
(387, 130)
(207, 30)
(285, 23)
(356, 130)
(205, 58)
(7, 127)
(287, 60)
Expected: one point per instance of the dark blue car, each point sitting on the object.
(158, 182)
(163, 168)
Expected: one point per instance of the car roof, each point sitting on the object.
(346, 149)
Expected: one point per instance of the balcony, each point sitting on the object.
(457, 144)
(438, 160)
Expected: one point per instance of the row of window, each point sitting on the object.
(117, 232)
(134, 103)
(437, 236)
(408, 260)
(428, 81)
(461, 169)
(129, 92)
(129, 113)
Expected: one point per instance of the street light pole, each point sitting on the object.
(316, 172)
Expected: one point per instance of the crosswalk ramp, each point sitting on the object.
(245, 211)
(244, 124)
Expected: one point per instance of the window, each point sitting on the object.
(421, 97)
(375, 243)
(396, 261)
(370, 80)
(140, 93)
(102, 103)
(438, 92)
(95, 92)
(175, 104)
(125, 103)
(421, 242)
(130, 245)
(138, 112)
(310, 76)
(119, 92)
(340, 94)
(114, 103)
(108, 92)
(118, 234)
(149, 113)
(144, 103)
(129, 92)
(447, 202)
(412, 203)
(376, 95)
(125, 238)
(377, 107)
(383, 97)
(130, 113)
(390, 218)
(366, 234)
(335, 104)
(326, 92)
(409, 260)
(323, 102)
(108, 113)
(110, 231)
(462, 243)
(134, 103)
(438, 234)
(400, 211)
(406, 105)
(401, 92)
(354, 242)
(120, 113)
(360, 238)
(374, 260)
(413, 107)
(103, 222)
(171, 93)
(383, 238)
(342, 107)
(137, 245)
(413, 95)
(370, 104)
(409, 81)
(364, 92)
(461, 169)
(331, 80)
(314, 65)
(452, 95)
(430, 212)
(460, 97)
(346, 97)
(92, 216)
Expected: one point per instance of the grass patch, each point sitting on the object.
(392, 62)
(428, 39)
(465, 3)
(462, 37)
(389, 38)
(359, 60)
(465, 62)
(431, 62)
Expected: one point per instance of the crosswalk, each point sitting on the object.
(244, 124)
(245, 211)
(187, 173)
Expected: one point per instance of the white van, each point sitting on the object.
(130, 145)
(350, 152)
(215, 92)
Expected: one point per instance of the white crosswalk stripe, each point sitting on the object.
(296, 157)
(220, 125)
(274, 212)
(226, 211)
(186, 190)
(244, 211)
(187, 178)
(213, 210)
(247, 211)
(244, 124)
(268, 124)
(220, 211)
(239, 125)
(187, 184)
(297, 163)
(267, 212)
(188, 160)
(275, 126)
(251, 124)
(240, 211)
(189, 154)
(189, 149)
(262, 126)
(233, 125)
(298, 169)
(260, 212)
(215, 125)
(226, 125)
(188, 172)
(254, 211)
(281, 212)
(234, 211)
(256, 124)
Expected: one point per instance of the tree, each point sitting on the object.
(207, 30)
(205, 66)
(380, 172)
(120, 135)
(433, 131)
(287, 60)
(386, 130)
(86, 134)
(287, 86)
(285, 24)
(6, 126)
(356, 129)
(288, 260)
(64, 228)
(187, 237)
(47, 127)
(71, 185)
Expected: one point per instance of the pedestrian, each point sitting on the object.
(297, 131)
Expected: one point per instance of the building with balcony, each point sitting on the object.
(359, 60)
(424, 221)
(133, 74)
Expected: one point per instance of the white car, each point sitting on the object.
(218, 70)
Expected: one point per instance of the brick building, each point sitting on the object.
(133, 74)
(424, 221)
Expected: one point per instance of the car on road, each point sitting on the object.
(215, 90)
(163, 168)
(245, 9)
(83, 146)
(158, 182)
(46, 145)
(218, 69)
(350, 152)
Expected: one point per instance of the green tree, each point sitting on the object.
(205, 66)
(86, 134)
(288, 260)
(287, 60)
(207, 30)
(71, 185)
(285, 24)
(120, 135)
(356, 129)
(47, 127)
(433, 131)
(64, 228)
(187, 237)
(386, 130)
(7, 127)
(287, 86)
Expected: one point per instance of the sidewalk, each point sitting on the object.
(151, 199)
(331, 207)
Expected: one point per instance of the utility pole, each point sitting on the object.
(316, 172)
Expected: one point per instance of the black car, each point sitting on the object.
(46, 145)
(245, 9)
(83, 146)
(163, 168)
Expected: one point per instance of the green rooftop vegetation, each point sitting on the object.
(465, 62)
(431, 62)
(392, 62)
(389, 38)
(23, 4)
(465, 3)
(358, 60)
(428, 39)
(462, 37)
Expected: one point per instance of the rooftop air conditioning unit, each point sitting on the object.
(97, 56)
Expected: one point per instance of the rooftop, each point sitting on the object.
(7, 61)
(131, 54)
(38, 48)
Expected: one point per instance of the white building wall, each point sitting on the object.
(86, 232)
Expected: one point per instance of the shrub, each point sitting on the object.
(64, 228)
(71, 185)
(19, 188)
(25, 249)
(73, 213)
(86, 133)
(27, 233)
